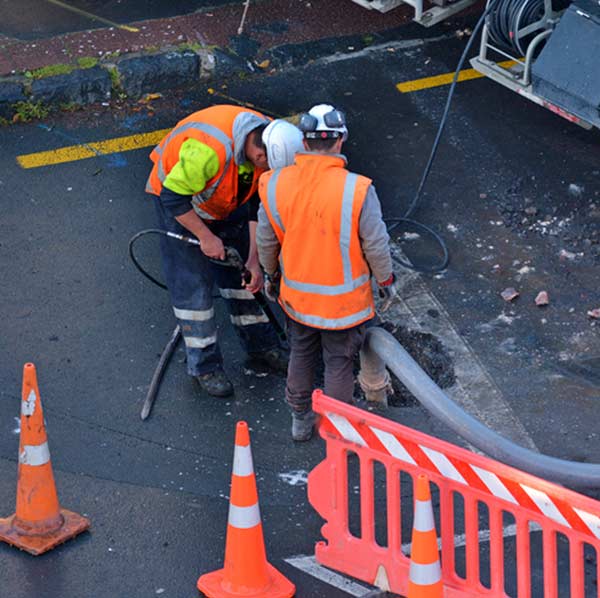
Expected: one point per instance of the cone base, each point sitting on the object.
(73, 525)
(211, 585)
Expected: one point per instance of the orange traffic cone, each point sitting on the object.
(246, 571)
(39, 523)
(425, 573)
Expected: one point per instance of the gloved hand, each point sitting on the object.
(272, 285)
(388, 291)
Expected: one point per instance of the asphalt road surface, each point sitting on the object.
(157, 491)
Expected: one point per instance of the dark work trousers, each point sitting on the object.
(339, 349)
(190, 278)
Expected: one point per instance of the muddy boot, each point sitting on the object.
(274, 359)
(303, 425)
(215, 383)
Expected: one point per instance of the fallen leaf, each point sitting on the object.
(149, 97)
(264, 64)
(509, 294)
(542, 299)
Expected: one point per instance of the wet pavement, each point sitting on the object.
(157, 491)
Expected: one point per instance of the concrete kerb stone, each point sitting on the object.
(12, 90)
(132, 75)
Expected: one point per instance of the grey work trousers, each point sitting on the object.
(339, 349)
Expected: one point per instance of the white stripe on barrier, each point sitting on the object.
(242, 461)
(35, 455)
(243, 517)
(393, 446)
(494, 485)
(444, 465)
(592, 521)
(545, 505)
(248, 319)
(345, 428)
(423, 516)
(236, 294)
(424, 575)
(199, 342)
(28, 405)
(195, 315)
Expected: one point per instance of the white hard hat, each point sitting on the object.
(283, 141)
(324, 118)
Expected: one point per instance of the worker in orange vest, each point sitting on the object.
(205, 177)
(321, 236)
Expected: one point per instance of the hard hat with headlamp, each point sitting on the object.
(323, 121)
(283, 141)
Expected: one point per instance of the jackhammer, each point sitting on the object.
(232, 260)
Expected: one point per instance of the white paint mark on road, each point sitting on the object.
(296, 477)
(309, 565)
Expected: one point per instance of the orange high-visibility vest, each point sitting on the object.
(214, 127)
(314, 207)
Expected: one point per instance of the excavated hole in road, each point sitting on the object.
(429, 353)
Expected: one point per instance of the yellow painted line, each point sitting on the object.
(91, 150)
(89, 15)
(445, 79)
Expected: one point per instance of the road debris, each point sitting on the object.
(566, 255)
(542, 299)
(509, 294)
(594, 313)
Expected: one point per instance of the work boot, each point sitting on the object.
(303, 425)
(215, 383)
(274, 359)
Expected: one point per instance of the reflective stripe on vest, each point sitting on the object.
(272, 198)
(349, 283)
(334, 323)
(207, 193)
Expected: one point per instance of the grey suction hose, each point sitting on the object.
(381, 349)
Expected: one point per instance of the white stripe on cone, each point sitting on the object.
(423, 516)
(244, 517)
(35, 455)
(242, 461)
(28, 405)
(423, 575)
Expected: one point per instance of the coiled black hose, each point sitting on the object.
(508, 17)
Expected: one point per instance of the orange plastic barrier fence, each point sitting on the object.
(467, 483)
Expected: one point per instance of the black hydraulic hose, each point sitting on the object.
(155, 231)
(442, 265)
(260, 298)
(381, 349)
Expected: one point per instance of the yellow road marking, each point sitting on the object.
(89, 15)
(445, 79)
(91, 150)
(132, 142)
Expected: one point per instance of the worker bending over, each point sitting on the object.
(205, 177)
(321, 236)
